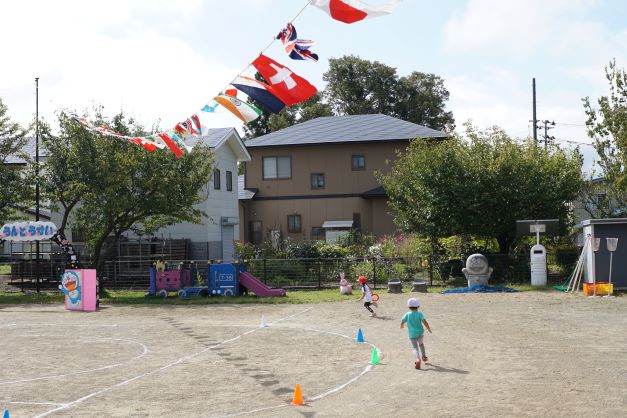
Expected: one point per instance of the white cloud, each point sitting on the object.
(514, 28)
(80, 61)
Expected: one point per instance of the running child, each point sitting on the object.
(415, 320)
(366, 295)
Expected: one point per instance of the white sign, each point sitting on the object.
(28, 231)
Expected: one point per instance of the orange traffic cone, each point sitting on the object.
(298, 396)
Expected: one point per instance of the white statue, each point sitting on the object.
(345, 287)
(477, 271)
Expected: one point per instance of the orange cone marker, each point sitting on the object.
(298, 396)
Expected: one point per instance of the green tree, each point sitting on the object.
(16, 193)
(607, 126)
(480, 184)
(357, 86)
(106, 186)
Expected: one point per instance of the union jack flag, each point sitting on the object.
(298, 49)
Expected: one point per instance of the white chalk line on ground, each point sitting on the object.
(143, 353)
(321, 395)
(167, 366)
(62, 325)
(30, 403)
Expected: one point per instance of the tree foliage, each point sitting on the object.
(607, 125)
(16, 192)
(480, 184)
(105, 186)
(356, 86)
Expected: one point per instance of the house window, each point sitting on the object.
(293, 223)
(229, 181)
(216, 179)
(317, 180)
(255, 232)
(277, 168)
(358, 162)
(317, 233)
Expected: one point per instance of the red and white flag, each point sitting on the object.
(289, 87)
(351, 11)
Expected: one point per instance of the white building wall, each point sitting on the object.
(220, 203)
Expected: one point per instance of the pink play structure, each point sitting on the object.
(173, 280)
(256, 286)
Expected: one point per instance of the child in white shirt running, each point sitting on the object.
(366, 295)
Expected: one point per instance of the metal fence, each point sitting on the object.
(314, 273)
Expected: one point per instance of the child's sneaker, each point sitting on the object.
(373, 315)
(425, 359)
(417, 364)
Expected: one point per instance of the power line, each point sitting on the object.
(570, 124)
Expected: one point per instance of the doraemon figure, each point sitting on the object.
(477, 271)
(71, 287)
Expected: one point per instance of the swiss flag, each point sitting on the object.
(287, 86)
(351, 11)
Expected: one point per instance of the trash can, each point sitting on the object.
(538, 265)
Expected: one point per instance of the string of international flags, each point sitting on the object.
(282, 88)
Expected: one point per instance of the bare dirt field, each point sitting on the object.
(521, 354)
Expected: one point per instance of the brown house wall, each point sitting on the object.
(339, 199)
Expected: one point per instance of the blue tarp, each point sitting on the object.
(479, 288)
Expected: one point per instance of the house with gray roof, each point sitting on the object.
(214, 237)
(315, 180)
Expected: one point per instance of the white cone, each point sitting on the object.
(263, 321)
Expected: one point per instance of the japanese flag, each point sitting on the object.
(286, 85)
(351, 11)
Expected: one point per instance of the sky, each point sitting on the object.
(161, 61)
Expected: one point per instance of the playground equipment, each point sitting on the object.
(222, 280)
(171, 282)
(80, 288)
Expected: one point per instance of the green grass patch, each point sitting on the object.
(294, 297)
(5, 269)
(140, 298)
(37, 298)
(126, 297)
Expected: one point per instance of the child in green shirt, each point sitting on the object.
(415, 320)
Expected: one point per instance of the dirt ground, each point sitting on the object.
(521, 354)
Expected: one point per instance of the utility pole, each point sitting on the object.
(547, 125)
(535, 119)
(37, 176)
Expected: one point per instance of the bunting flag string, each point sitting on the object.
(282, 88)
(297, 49)
(351, 11)
(246, 112)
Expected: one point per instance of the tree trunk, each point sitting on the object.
(504, 244)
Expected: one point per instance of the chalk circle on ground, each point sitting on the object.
(72, 346)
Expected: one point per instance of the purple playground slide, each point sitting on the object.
(253, 284)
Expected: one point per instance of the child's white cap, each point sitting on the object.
(413, 303)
